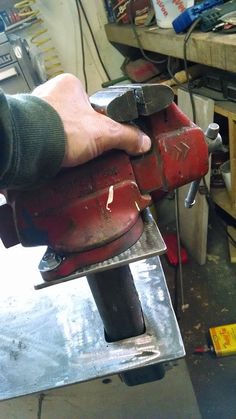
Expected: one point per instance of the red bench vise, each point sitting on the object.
(92, 212)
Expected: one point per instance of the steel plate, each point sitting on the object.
(150, 244)
(54, 337)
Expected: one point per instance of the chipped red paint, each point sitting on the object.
(92, 212)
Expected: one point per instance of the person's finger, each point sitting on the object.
(122, 136)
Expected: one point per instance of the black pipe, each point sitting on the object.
(118, 303)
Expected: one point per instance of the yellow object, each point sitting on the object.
(181, 76)
(24, 3)
(153, 211)
(224, 339)
(40, 38)
(24, 8)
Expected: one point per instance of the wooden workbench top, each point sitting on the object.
(212, 49)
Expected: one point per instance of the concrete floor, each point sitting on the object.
(170, 398)
(210, 291)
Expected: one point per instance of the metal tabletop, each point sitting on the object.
(54, 337)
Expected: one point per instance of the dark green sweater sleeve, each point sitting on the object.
(32, 141)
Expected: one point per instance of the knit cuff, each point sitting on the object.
(34, 141)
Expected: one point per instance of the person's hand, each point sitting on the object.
(88, 133)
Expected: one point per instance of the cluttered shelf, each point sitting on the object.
(226, 199)
(211, 49)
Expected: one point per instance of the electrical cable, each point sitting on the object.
(133, 26)
(93, 38)
(182, 85)
(189, 87)
(178, 83)
(82, 46)
(186, 39)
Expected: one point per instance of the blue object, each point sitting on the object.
(186, 18)
(2, 25)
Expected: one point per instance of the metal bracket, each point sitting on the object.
(150, 244)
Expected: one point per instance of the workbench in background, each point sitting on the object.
(211, 49)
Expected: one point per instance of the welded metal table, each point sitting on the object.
(54, 337)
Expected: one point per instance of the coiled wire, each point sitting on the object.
(40, 37)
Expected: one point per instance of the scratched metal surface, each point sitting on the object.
(54, 337)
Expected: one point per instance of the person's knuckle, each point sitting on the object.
(69, 78)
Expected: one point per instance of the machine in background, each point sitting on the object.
(19, 71)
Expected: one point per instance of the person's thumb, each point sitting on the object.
(124, 137)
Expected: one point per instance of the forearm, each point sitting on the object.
(32, 141)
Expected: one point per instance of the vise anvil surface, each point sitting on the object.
(125, 103)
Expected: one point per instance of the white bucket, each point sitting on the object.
(167, 10)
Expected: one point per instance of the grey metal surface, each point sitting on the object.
(150, 97)
(150, 244)
(3, 37)
(127, 102)
(14, 55)
(118, 104)
(54, 337)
